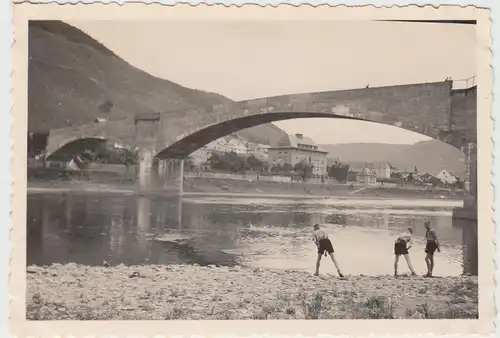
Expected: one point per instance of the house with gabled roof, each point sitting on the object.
(366, 176)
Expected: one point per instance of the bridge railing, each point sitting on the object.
(464, 83)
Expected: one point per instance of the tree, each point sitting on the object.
(255, 164)
(409, 178)
(339, 172)
(228, 162)
(287, 167)
(189, 164)
(303, 169)
(276, 168)
(106, 106)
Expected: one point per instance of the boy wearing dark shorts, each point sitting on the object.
(401, 246)
(432, 244)
(323, 243)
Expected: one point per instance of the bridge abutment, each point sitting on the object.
(146, 169)
(170, 175)
(160, 174)
(465, 218)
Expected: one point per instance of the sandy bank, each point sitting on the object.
(194, 292)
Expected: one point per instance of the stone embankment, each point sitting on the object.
(155, 292)
(219, 185)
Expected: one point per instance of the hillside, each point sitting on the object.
(73, 79)
(428, 156)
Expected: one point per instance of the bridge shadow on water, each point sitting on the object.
(92, 230)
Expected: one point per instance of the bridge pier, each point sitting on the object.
(146, 169)
(465, 218)
(160, 174)
(171, 175)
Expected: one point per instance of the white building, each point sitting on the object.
(237, 146)
(260, 151)
(201, 156)
(367, 177)
(219, 145)
(381, 169)
(446, 177)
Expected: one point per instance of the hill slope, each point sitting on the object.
(73, 79)
(428, 156)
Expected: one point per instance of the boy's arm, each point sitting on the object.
(313, 238)
(410, 243)
(437, 241)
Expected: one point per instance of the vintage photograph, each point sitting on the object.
(246, 170)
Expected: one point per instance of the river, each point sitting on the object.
(258, 232)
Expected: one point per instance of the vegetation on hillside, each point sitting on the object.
(74, 79)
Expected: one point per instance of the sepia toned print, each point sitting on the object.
(314, 169)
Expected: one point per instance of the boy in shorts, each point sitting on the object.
(401, 246)
(432, 244)
(323, 243)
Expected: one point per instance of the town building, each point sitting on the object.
(381, 169)
(446, 177)
(294, 149)
(200, 156)
(237, 146)
(229, 144)
(366, 176)
(260, 151)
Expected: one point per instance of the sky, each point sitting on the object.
(246, 60)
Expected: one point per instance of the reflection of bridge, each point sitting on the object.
(165, 139)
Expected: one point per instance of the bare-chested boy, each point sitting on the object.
(323, 243)
(401, 246)
(432, 244)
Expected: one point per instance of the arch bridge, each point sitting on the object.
(163, 140)
(432, 109)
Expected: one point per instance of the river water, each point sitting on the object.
(258, 232)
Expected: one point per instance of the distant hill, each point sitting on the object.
(73, 79)
(427, 156)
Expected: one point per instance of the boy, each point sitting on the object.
(432, 244)
(401, 246)
(320, 238)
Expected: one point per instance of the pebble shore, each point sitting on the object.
(157, 292)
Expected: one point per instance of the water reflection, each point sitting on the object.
(267, 233)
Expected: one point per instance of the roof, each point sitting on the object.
(293, 141)
(358, 166)
(367, 172)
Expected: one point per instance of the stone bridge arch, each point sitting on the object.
(425, 108)
(118, 131)
(194, 138)
(78, 146)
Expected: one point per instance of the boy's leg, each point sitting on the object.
(408, 261)
(318, 261)
(431, 264)
(428, 263)
(396, 260)
(334, 260)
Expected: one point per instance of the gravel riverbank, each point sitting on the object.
(156, 292)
